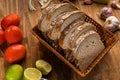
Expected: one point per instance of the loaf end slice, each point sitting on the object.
(88, 46)
(51, 14)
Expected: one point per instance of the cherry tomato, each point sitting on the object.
(13, 34)
(2, 37)
(11, 19)
(15, 53)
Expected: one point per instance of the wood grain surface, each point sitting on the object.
(107, 69)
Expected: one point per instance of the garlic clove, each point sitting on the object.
(104, 9)
(115, 5)
(112, 23)
(87, 2)
(31, 7)
(44, 3)
(105, 12)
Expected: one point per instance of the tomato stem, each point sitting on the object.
(1, 52)
(43, 79)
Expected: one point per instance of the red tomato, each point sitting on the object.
(15, 53)
(13, 34)
(11, 19)
(2, 37)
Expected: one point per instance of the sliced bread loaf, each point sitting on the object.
(82, 29)
(63, 22)
(67, 32)
(51, 14)
(86, 48)
(65, 27)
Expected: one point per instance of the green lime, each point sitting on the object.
(14, 72)
(43, 66)
(32, 74)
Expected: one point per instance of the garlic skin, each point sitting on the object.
(112, 23)
(105, 13)
(31, 7)
(44, 3)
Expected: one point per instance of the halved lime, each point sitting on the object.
(32, 74)
(43, 66)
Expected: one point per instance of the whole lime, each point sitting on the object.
(14, 72)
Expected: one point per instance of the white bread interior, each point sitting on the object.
(87, 47)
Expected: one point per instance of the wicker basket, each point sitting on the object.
(106, 36)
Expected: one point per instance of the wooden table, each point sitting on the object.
(107, 69)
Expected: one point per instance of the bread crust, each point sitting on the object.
(57, 27)
(79, 31)
(66, 31)
(48, 13)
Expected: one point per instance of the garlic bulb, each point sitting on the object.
(105, 12)
(112, 23)
(44, 3)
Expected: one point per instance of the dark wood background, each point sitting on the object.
(107, 69)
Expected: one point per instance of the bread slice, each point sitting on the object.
(51, 14)
(87, 47)
(82, 29)
(67, 32)
(62, 22)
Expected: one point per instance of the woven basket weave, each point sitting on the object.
(106, 36)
